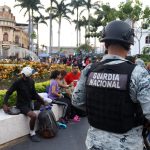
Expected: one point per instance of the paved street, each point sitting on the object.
(72, 138)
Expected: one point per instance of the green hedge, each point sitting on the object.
(40, 87)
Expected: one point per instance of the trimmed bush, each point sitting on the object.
(40, 87)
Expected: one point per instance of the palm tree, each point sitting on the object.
(82, 22)
(88, 4)
(76, 4)
(50, 17)
(85, 24)
(78, 26)
(61, 10)
(35, 7)
(37, 20)
(30, 6)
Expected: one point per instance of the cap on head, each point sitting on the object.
(118, 31)
(27, 71)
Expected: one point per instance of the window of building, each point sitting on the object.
(147, 39)
(16, 39)
(5, 36)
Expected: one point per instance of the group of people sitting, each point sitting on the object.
(59, 92)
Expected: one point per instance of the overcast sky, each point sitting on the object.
(68, 33)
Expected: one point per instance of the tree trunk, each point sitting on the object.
(79, 37)
(138, 37)
(85, 35)
(77, 26)
(89, 25)
(37, 39)
(29, 30)
(95, 42)
(139, 46)
(50, 33)
(59, 28)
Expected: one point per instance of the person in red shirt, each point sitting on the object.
(73, 76)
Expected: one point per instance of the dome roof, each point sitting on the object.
(5, 8)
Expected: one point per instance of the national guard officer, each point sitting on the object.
(116, 93)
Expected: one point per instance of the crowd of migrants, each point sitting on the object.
(80, 61)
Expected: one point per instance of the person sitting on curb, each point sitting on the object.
(25, 88)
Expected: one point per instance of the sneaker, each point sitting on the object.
(76, 118)
(35, 138)
(61, 125)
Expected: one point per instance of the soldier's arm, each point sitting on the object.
(140, 89)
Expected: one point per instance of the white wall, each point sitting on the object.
(135, 48)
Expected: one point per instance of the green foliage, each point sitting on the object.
(130, 10)
(40, 87)
(46, 83)
(2, 93)
(145, 58)
(33, 35)
(146, 15)
(146, 50)
(85, 47)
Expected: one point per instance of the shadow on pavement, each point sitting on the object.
(72, 138)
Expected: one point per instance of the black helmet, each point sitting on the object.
(118, 31)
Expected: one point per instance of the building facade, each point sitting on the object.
(11, 33)
(141, 40)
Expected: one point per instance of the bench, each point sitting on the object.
(16, 126)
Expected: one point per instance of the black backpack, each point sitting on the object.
(48, 127)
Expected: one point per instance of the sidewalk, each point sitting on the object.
(72, 138)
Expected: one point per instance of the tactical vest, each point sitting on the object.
(109, 105)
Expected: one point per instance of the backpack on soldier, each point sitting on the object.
(48, 127)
